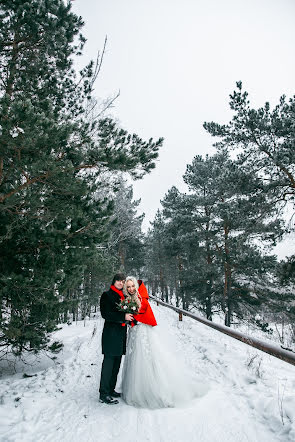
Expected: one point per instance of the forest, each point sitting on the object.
(68, 218)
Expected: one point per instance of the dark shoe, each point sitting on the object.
(108, 400)
(115, 394)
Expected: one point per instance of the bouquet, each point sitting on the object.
(128, 306)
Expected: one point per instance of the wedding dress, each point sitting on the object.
(152, 376)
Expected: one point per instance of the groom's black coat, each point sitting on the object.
(114, 334)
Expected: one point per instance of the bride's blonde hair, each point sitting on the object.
(135, 296)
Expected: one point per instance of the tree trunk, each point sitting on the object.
(227, 280)
(182, 293)
(176, 282)
(166, 293)
(209, 285)
(209, 307)
(162, 283)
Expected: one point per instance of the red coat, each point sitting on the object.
(145, 313)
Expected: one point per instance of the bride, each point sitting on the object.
(152, 377)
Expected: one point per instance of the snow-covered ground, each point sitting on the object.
(250, 397)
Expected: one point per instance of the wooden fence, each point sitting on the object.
(272, 349)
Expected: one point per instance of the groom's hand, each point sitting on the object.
(128, 317)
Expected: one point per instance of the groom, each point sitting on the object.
(113, 339)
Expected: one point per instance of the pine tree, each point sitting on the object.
(125, 239)
(263, 140)
(230, 218)
(181, 247)
(52, 164)
(156, 259)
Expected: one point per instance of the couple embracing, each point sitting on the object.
(152, 376)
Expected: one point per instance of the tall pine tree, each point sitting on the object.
(52, 164)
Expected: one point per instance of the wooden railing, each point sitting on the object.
(274, 350)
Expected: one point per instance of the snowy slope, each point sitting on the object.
(250, 397)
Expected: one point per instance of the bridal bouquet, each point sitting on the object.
(128, 306)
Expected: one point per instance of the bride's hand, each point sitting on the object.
(129, 317)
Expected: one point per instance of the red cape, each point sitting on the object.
(145, 313)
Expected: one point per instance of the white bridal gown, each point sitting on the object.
(152, 377)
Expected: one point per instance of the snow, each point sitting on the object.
(250, 396)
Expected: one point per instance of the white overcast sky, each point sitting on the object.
(175, 63)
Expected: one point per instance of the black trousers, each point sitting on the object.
(109, 373)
